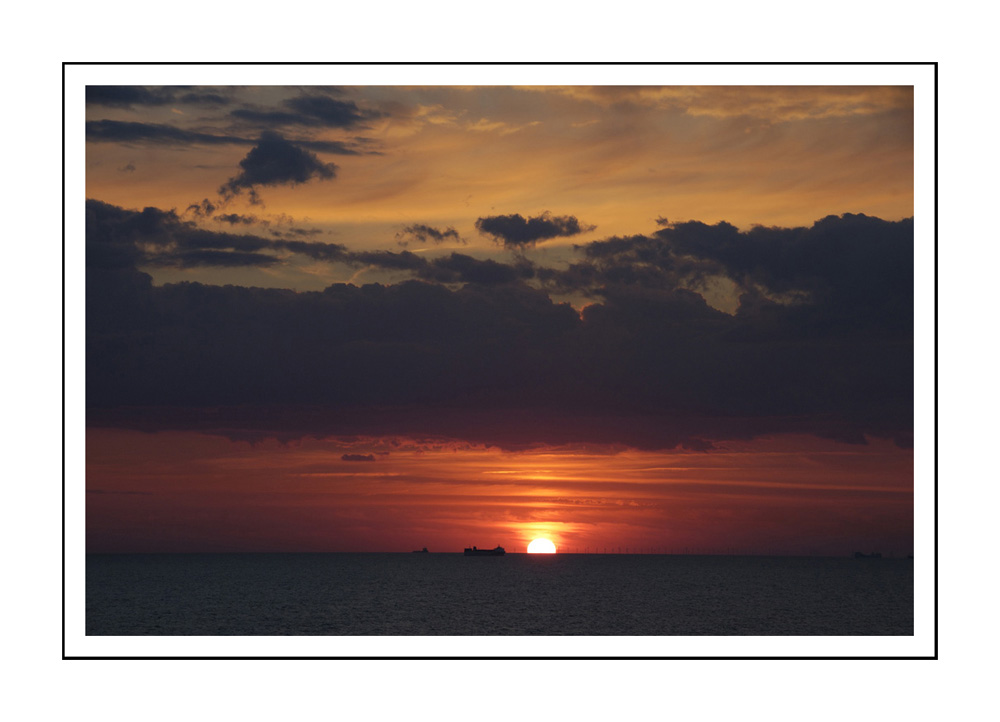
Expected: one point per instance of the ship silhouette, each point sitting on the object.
(476, 552)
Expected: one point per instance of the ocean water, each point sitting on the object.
(517, 594)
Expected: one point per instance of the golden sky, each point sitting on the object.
(617, 158)
(661, 318)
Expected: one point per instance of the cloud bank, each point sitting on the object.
(821, 342)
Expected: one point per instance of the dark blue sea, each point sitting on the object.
(517, 594)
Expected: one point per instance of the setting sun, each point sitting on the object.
(541, 546)
(319, 328)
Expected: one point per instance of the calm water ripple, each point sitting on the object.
(518, 594)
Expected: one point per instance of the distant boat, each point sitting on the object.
(475, 552)
(421, 551)
(873, 555)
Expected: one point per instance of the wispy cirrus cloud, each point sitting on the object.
(769, 103)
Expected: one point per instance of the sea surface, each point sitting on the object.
(517, 594)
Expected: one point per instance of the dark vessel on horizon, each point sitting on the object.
(421, 551)
(476, 552)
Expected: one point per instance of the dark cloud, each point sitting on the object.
(516, 231)
(332, 146)
(120, 238)
(276, 161)
(848, 272)
(234, 219)
(309, 110)
(199, 98)
(117, 131)
(265, 117)
(128, 168)
(154, 237)
(456, 268)
(237, 219)
(412, 342)
(460, 268)
(854, 267)
(358, 457)
(203, 209)
(331, 252)
(821, 343)
(389, 260)
(210, 258)
(127, 96)
(423, 233)
(296, 232)
(645, 261)
(331, 112)
(503, 426)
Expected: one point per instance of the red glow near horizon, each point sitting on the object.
(188, 492)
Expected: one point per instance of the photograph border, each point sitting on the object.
(76, 645)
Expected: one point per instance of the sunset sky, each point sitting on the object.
(378, 318)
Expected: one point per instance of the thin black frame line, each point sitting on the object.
(936, 606)
(934, 64)
(454, 658)
(622, 63)
(63, 309)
